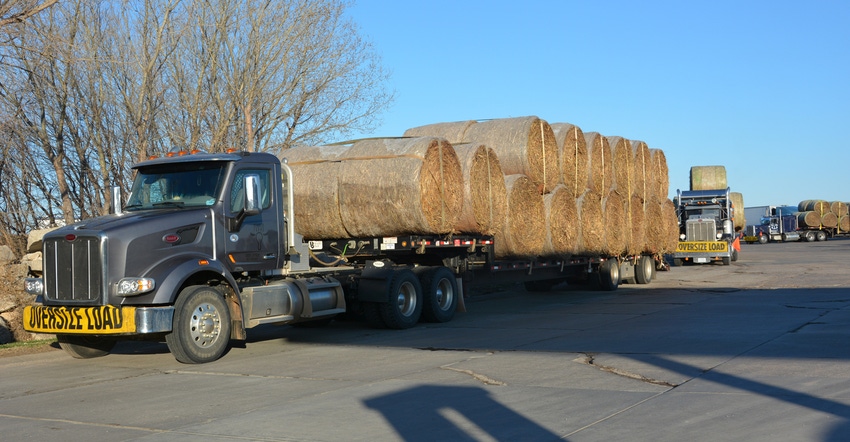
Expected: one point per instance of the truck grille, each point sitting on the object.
(701, 230)
(73, 270)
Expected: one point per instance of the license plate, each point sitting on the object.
(101, 320)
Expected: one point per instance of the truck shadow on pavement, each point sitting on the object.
(433, 412)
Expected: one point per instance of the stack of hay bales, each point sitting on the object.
(819, 214)
(714, 178)
(539, 189)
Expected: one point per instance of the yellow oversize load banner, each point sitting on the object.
(101, 320)
(702, 247)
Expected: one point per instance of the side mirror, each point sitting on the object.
(252, 204)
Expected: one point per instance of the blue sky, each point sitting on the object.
(761, 87)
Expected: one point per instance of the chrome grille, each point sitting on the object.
(74, 270)
(701, 230)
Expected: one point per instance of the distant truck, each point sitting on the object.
(706, 227)
(781, 223)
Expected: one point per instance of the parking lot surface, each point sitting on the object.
(755, 351)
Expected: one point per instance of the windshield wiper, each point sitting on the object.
(169, 204)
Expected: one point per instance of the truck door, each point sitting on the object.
(255, 243)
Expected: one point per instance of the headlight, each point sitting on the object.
(682, 237)
(719, 235)
(135, 286)
(34, 286)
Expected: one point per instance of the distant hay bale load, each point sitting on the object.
(658, 180)
(814, 205)
(739, 220)
(572, 148)
(615, 213)
(562, 222)
(524, 145)
(637, 223)
(453, 132)
(523, 233)
(600, 164)
(708, 178)
(484, 192)
(315, 187)
(592, 219)
(391, 187)
(621, 163)
(656, 226)
(671, 227)
(808, 219)
(838, 208)
(640, 166)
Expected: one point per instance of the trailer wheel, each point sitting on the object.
(404, 306)
(609, 275)
(439, 293)
(809, 236)
(643, 270)
(200, 330)
(763, 239)
(820, 235)
(85, 347)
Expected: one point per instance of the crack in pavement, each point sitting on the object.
(589, 359)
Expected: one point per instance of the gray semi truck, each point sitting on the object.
(205, 248)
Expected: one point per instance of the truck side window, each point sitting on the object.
(237, 195)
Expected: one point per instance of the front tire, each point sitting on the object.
(201, 327)
(763, 239)
(85, 347)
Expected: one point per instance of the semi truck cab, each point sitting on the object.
(706, 229)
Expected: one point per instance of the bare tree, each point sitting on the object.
(87, 87)
(16, 11)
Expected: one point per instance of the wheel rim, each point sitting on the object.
(205, 325)
(406, 299)
(445, 294)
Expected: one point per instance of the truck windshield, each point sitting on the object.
(177, 185)
(704, 213)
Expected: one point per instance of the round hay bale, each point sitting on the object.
(592, 219)
(562, 222)
(829, 220)
(621, 164)
(844, 224)
(615, 210)
(656, 226)
(708, 178)
(390, 187)
(640, 166)
(637, 223)
(671, 226)
(808, 219)
(819, 206)
(838, 208)
(572, 148)
(453, 132)
(523, 233)
(315, 187)
(484, 192)
(600, 165)
(658, 180)
(524, 145)
(739, 221)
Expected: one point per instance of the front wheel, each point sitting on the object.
(734, 255)
(763, 239)
(200, 330)
(85, 347)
